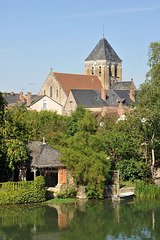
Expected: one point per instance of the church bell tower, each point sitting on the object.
(104, 63)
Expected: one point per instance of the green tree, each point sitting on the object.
(147, 112)
(87, 164)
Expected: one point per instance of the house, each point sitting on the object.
(43, 102)
(104, 101)
(89, 99)
(44, 160)
(14, 98)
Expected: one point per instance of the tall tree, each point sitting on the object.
(147, 110)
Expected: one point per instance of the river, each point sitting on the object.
(84, 220)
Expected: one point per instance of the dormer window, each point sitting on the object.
(99, 71)
(50, 91)
(92, 70)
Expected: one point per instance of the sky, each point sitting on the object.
(36, 35)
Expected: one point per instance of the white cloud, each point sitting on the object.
(108, 12)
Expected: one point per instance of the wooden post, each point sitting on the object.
(117, 182)
(34, 170)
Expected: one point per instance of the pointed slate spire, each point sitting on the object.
(103, 51)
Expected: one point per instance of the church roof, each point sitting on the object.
(124, 85)
(103, 51)
(77, 81)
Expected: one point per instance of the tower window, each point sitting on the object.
(44, 92)
(92, 70)
(50, 91)
(115, 70)
(100, 71)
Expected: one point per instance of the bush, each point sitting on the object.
(23, 192)
(130, 170)
(68, 193)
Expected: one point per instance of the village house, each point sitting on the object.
(112, 102)
(14, 98)
(43, 102)
(44, 160)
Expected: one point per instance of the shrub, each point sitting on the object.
(23, 192)
(68, 193)
(147, 190)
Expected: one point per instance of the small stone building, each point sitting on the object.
(44, 161)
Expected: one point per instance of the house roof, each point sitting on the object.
(77, 81)
(114, 97)
(89, 98)
(92, 98)
(42, 155)
(13, 98)
(124, 85)
(103, 51)
(39, 97)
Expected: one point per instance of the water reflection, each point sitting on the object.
(102, 220)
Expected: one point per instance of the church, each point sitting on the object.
(103, 73)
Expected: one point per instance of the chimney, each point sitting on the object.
(120, 109)
(103, 94)
(12, 93)
(132, 95)
(21, 96)
(28, 99)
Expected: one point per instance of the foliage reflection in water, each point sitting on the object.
(102, 220)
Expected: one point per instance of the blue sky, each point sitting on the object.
(39, 34)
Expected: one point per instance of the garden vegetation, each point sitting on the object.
(90, 148)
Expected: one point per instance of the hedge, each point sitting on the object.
(23, 192)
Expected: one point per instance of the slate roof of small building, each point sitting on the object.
(42, 155)
(92, 98)
(77, 81)
(103, 51)
(15, 98)
(12, 99)
(124, 85)
(114, 97)
(88, 98)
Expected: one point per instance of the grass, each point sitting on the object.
(127, 184)
(60, 201)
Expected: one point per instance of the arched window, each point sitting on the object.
(99, 71)
(50, 91)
